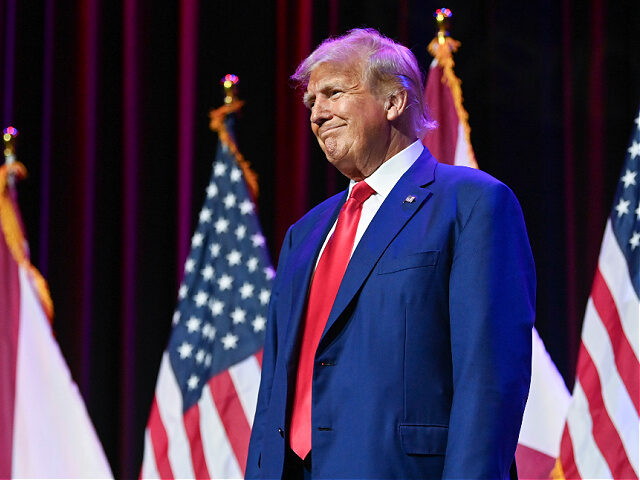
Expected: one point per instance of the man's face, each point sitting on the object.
(348, 119)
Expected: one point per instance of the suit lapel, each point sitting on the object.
(303, 262)
(392, 216)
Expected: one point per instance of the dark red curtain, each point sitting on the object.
(111, 100)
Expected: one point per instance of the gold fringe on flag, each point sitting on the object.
(217, 124)
(14, 236)
(442, 48)
(557, 473)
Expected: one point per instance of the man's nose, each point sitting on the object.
(319, 112)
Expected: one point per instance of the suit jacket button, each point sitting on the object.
(281, 432)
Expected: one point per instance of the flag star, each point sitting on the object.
(224, 282)
(193, 324)
(241, 231)
(216, 307)
(205, 215)
(182, 291)
(238, 315)
(634, 149)
(200, 356)
(207, 360)
(246, 207)
(229, 201)
(635, 240)
(235, 175)
(212, 190)
(629, 178)
(257, 240)
(219, 170)
(185, 350)
(201, 298)
(221, 225)
(638, 212)
(637, 120)
(623, 207)
(189, 264)
(214, 249)
(208, 331)
(229, 341)
(193, 382)
(207, 272)
(269, 272)
(264, 296)
(176, 318)
(246, 290)
(234, 258)
(252, 264)
(196, 241)
(259, 323)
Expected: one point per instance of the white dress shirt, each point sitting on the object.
(382, 181)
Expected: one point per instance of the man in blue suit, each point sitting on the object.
(398, 341)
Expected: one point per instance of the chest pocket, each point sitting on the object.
(416, 260)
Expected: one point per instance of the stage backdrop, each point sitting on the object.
(111, 100)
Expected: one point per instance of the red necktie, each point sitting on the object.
(324, 288)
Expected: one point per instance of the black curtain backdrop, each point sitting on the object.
(102, 92)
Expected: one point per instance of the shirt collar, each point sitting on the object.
(387, 175)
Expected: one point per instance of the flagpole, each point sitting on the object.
(217, 116)
(442, 48)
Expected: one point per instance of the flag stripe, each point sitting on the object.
(624, 357)
(170, 410)
(221, 461)
(532, 460)
(192, 427)
(614, 269)
(231, 413)
(619, 408)
(587, 457)
(149, 468)
(259, 357)
(9, 322)
(566, 456)
(160, 443)
(246, 380)
(604, 433)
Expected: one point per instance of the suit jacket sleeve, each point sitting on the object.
(492, 309)
(268, 367)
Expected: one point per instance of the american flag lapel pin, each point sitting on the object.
(409, 199)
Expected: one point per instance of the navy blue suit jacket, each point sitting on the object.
(423, 368)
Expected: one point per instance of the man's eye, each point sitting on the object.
(335, 92)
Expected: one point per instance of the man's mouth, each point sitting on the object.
(324, 131)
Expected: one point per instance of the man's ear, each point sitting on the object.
(396, 104)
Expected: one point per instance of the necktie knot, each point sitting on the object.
(361, 192)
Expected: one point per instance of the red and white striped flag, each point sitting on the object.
(207, 388)
(545, 413)
(602, 432)
(45, 431)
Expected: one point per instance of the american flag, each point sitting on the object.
(601, 435)
(207, 388)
